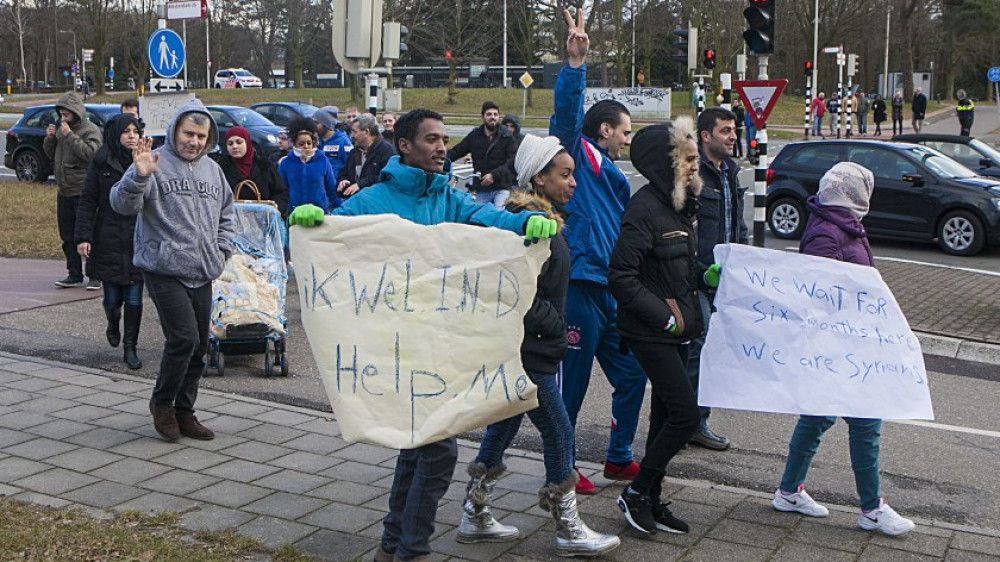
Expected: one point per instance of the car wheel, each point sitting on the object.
(961, 233)
(28, 166)
(786, 218)
(238, 85)
(218, 86)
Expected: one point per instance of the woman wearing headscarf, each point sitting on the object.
(655, 275)
(545, 180)
(834, 231)
(306, 170)
(240, 162)
(104, 236)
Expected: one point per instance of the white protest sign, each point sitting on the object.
(800, 334)
(642, 103)
(416, 329)
(158, 110)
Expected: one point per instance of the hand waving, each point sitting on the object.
(577, 41)
(144, 160)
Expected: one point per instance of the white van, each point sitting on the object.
(236, 78)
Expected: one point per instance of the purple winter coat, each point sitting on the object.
(834, 232)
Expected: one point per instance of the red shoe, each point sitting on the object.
(627, 471)
(583, 485)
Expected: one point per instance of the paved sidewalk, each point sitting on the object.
(72, 436)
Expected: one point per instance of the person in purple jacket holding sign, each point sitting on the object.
(834, 231)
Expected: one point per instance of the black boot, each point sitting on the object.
(113, 332)
(133, 317)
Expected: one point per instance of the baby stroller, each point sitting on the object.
(248, 300)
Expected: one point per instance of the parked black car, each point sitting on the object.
(24, 152)
(920, 194)
(970, 152)
(281, 113)
(263, 133)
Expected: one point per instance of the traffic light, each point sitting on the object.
(809, 68)
(393, 46)
(753, 154)
(687, 46)
(709, 59)
(760, 15)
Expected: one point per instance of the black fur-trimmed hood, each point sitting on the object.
(656, 154)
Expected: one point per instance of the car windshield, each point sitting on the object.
(985, 149)
(249, 118)
(939, 163)
(243, 73)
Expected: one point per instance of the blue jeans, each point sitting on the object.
(592, 331)
(817, 125)
(863, 123)
(115, 295)
(496, 198)
(865, 437)
(694, 353)
(422, 477)
(552, 422)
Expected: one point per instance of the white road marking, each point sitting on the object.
(943, 266)
(948, 427)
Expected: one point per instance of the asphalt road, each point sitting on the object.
(940, 471)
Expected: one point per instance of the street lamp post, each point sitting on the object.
(74, 55)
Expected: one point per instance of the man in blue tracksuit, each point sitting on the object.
(595, 140)
(414, 186)
(333, 142)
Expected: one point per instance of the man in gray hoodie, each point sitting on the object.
(183, 237)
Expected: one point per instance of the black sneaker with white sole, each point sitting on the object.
(638, 510)
(666, 521)
(70, 282)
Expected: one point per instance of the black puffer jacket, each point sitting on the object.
(496, 159)
(654, 272)
(110, 234)
(544, 345)
(263, 174)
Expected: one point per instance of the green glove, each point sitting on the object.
(712, 275)
(306, 215)
(539, 227)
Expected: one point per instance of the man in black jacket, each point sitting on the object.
(493, 149)
(365, 162)
(919, 109)
(720, 221)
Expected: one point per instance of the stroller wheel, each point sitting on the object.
(284, 365)
(220, 363)
(268, 367)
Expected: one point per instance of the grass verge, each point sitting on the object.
(33, 533)
(28, 228)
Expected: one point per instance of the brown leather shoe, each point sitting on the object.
(191, 427)
(165, 422)
(382, 555)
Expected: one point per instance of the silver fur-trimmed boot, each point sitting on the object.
(478, 524)
(573, 536)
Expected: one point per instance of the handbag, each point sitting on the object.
(256, 193)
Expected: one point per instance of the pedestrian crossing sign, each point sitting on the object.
(166, 53)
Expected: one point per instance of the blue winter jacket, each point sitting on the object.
(427, 199)
(595, 211)
(309, 182)
(336, 149)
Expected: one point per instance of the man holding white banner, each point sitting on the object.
(414, 187)
(798, 334)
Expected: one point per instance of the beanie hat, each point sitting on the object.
(534, 154)
(847, 185)
(327, 116)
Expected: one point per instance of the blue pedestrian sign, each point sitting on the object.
(111, 73)
(993, 74)
(165, 53)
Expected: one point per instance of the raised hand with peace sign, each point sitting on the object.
(577, 41)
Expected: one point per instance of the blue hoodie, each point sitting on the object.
(336, 149)
(312, 182)
(424, 198)
(597, 206)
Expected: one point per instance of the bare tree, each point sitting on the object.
(19, 22)
(466, 29)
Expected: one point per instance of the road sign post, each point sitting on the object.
(759, 98)
(526, 81)
(165, 52)
(993, 75)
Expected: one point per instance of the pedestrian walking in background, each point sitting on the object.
(334, 141)
(105, 237)
(833, 108)
(306, 172)
(70, 145)
(240, 162)
(818, 111)
(545, 184)
(388, 125)
(284, 146)
(834, 231)
(182, 243)
(370, 155)
(878, 114)
(864, 105)
(595, 139)
(492, 148)
(415, 187)
(897, 113)
(654, 275)
(919, 108)
(740, 114)
(966, 110)
(513, 125)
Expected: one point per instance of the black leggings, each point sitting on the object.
(894, 121)
(673, 414)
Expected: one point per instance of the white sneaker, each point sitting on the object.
(799, 502)
(885, 519)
